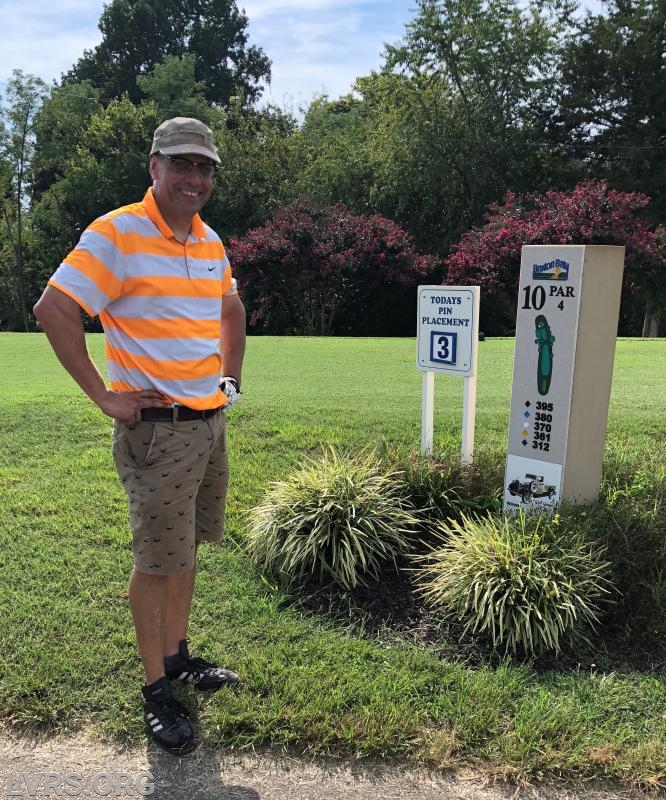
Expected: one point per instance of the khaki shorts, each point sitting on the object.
(175, 476)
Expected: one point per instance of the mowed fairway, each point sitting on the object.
(69, 659)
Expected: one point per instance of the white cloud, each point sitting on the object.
(43, 38)
(315, 45)
(256, 9)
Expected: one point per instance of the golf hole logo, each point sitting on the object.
(556, 270)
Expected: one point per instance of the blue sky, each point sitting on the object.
(315, 45)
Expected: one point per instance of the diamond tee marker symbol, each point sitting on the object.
(526, 414)
(524, 442)
(528, 404)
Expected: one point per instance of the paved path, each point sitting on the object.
(208, 775)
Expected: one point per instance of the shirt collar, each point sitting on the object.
(154, 214)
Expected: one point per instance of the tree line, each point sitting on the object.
(481, 100)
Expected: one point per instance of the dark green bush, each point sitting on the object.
(630, 523)
(442, 488)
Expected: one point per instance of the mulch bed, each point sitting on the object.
(391, 612)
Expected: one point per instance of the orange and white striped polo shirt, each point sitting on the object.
(159, 301)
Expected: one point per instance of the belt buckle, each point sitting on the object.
(174, 413)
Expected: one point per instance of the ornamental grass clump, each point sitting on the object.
(441, 487)
(522, 580)
(336, 519)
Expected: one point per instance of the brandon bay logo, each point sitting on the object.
(556, 270)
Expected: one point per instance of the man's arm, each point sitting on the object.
(60, 318)
(233, 336)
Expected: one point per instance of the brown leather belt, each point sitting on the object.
(177, 414)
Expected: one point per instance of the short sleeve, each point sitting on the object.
(92, 273)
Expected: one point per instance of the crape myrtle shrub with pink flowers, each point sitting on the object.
(321, 270)
(589, 214)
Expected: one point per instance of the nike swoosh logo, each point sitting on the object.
(210, 269)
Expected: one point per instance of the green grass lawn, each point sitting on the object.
(68, 654)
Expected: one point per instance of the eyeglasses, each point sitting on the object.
(185, 167)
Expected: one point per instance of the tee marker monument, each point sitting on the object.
(566, 327)
(447, 341)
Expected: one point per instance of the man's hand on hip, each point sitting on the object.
(126, 406)
(230, 389)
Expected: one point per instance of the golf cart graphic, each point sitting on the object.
(544, 339)
(533, 486)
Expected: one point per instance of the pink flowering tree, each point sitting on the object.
(589, 214)
(321, 270)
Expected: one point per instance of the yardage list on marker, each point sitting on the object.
(546, 330)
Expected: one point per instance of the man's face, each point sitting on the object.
(179, 195)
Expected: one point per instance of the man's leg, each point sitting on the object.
(211, 496)
(209, 523)
(148, 595)
(160, 473)
(167, 719)
(179, 665)
(180, 589)
(160, 607)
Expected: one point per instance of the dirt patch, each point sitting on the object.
(227, 775)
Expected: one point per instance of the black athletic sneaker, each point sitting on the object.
(167, 719)
(201, 674)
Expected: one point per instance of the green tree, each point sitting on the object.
(171, 85)
(9, 305)
(332, 147)
(108, 167)
(66, 115)
(455, 111)
(259, 169)
(59, 124)
(139, 34)
(23, 97)
(417, 178)
(610, 112)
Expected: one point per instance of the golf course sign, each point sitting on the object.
(566, 326)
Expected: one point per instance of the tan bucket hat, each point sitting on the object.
(182, 135)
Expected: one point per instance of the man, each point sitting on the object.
(162, 285)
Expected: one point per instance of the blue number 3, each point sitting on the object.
(444, 353)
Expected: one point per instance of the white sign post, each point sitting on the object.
(447, 341)
(568, 306)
